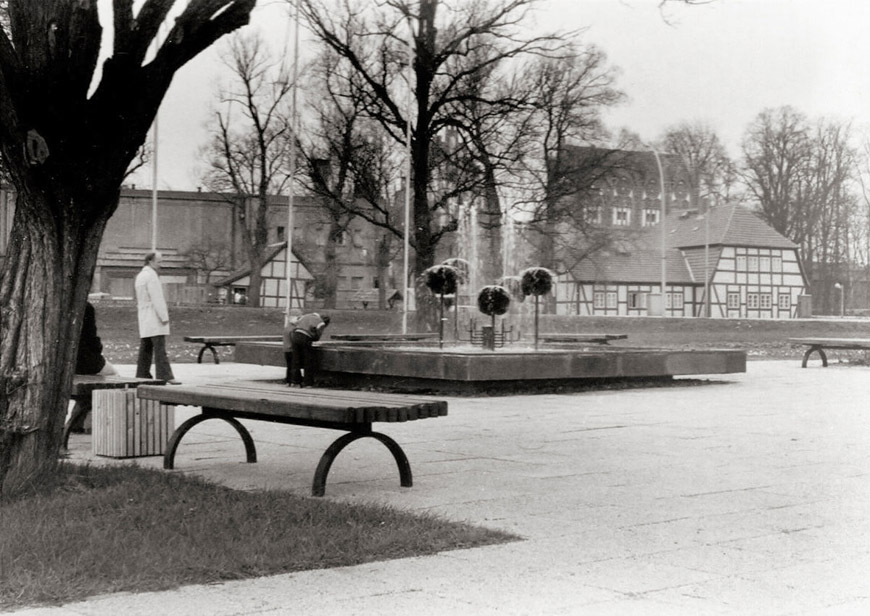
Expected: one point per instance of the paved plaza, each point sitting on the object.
(747, 494)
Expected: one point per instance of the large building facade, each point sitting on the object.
(201, 240)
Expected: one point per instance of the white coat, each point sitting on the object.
(153, 314)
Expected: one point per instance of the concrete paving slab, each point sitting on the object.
(747, 494)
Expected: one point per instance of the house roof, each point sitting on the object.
(687, 234)
(720, 226)
(642, 265)
(270, 254)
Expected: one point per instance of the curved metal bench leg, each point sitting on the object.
(318, 488)
(214, 354)
(172, 445)
(812, 350)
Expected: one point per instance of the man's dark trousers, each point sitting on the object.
(301, 360)
(153, 347)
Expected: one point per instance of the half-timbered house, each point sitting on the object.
(727, 263)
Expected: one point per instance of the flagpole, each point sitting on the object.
(407, 235)
(289, 233)
(154, 169)
(154, 189)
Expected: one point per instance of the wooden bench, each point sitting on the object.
(85, 384)
(582, 338)
(351, 411)
(210, 342)
(818, 345)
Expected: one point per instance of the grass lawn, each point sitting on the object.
(762, 339)
(125, 528)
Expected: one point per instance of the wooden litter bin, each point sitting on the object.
(127, 427)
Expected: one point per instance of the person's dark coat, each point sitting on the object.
(90, 358)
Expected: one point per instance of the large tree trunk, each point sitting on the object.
(329, 283)
(66, 147)
(490, 221)
(43, 288)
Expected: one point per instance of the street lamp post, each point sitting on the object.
(664, 231)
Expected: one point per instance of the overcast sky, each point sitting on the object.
(721, 63)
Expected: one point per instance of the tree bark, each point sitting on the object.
(66, 152)
(44, 286)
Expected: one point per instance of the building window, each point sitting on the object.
(650, 217)
(621, 216)
(766, 301)
(279, 234)
(764, 264)
(593, 214)
(741, 263)
(776, 264)
(675, 301)
(636, 299)
(733, 301)
(611, 299)
(356, 282)
(752, 263)
(752, 301)
(598, 299)
(784, 301)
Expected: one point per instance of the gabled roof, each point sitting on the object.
(271, 253)
(720, 226)
(687, 234)
(643, 265)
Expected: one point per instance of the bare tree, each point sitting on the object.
(371, 37)
(705, 164)
(563, 168)
(251, 136)
(207, 256)
(776, 155)
(801, 173)
(67, 146)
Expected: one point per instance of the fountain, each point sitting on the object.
(500, 361)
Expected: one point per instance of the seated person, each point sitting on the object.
(90, 360)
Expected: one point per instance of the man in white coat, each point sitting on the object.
(153, 321)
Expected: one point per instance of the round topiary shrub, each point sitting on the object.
(536, 281)
(441, 279)
(493, 300)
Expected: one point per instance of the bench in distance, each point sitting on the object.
(210, 342)
(818, 345)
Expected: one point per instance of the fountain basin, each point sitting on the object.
(449, 370)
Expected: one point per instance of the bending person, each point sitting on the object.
(304, 332)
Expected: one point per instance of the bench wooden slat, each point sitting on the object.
(310, 404)
(84, 384)
(834, 343)
(230, 340)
